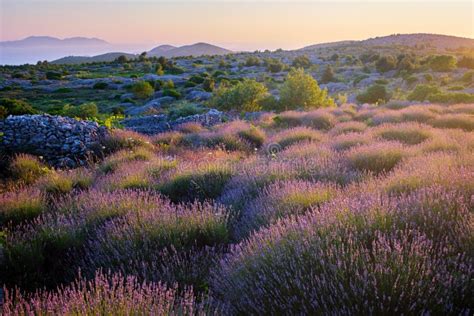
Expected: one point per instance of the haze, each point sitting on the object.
(237, 25)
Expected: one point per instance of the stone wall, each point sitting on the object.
(154, 124)
(61, 141)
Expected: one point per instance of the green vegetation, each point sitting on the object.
(244, 96)
(142, 90)
(301, 90)
(374, 94)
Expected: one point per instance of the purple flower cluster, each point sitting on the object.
(336, 211)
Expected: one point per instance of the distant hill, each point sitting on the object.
(440, 42)
(35, 41)
(167, 51)
(91, 59)
(159, 50)
(198, 49)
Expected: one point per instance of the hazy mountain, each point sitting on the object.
(34, 48)
(197, 49)
(160, 50)
(440, 42)
(91, 59)
(35, 41)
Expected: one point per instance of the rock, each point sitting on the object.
(62, 141)
(198, 95)
(126, 96)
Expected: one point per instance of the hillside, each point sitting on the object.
(198, 49)
(440, 42)
(86, 59)
(160, 50)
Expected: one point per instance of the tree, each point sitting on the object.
(442, 63)
(244, 96)
(386, 63)
(122, 59)
(142, 90)
(328, 75)
(142, 56)
(301, 62)
(374, 94)
(301, 90)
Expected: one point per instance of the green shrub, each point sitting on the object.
(21, 205)
(328, 75)
(244, 96)
(171, 93)
(466, 62)
(142, 90)
(422, 92)
(183, 110)
(386, 63)
(16, 107)
(374, 94)
(451, 98)
(100, 85)
(27, 168)
(252, 61)
(52, 75)
(301, 90)
(442, 63)
(83, 111)
(301, 62)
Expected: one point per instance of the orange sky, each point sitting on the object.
(244, 25)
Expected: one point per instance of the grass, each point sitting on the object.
(376, 158)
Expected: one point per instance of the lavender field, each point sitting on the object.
(347, 210)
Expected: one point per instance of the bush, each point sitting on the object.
(16, 107)
(171, 93)
(83, 111)
(207, 182)
(376, 158)
(328, 75)
(451, 98)
(274, 65)
(183, 110)
(301, 90)
(109, 294)
(410, 134)
(21, 205)
(308, 263)
(100, 85)
(374, 94)
(461, 121)
(51, 75)
(466, 62)
(244, 96)
(295, 135)
(442, 63)
(27, 168)
(142, 90)
(386, 63)
(301, 62)
(422, 92)
(252, 61)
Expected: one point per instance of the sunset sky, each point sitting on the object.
(238, 25)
